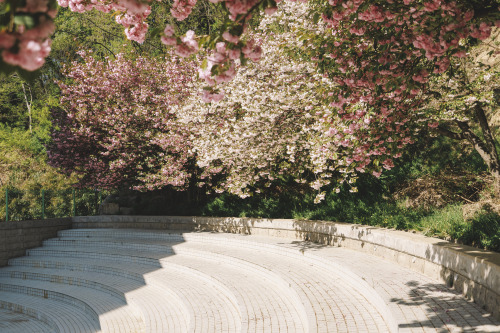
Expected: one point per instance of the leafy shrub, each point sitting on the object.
(482, 231)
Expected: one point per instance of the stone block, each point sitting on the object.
(110, 208)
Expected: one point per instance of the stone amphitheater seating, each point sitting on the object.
(101, 276)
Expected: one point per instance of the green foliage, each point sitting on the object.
(430, 156)
(24, 173)
(17, 141)
(482, 231)
(93, 30)
(446, 223)
(12, 106)
(27, 203)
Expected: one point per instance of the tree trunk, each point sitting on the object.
(485, 147)
(28, 104)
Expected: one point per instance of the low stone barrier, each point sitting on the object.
(18, 236)
(473, 272)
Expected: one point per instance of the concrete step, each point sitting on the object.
(215, 282)
(314, 298)
(261, 283)
(196, 295)
(15, 322)
(113, 314)
(55, 314)
(157, 305)
(312, 301)
(124, 233)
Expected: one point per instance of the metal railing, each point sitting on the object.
(49, 203)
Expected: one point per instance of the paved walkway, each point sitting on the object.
(119, 280)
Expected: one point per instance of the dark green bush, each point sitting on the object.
(482, 231)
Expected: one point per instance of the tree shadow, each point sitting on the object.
(445, 310)
(471, 272)
(233, 225)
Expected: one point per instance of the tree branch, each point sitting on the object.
(488, 136)
(452, 135)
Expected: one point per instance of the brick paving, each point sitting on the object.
(119, 280)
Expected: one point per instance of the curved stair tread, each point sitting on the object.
(213, 308)
(15, 322)
(133, 271)
(317, 299)
(188, 288)
(324, 293)
(424, 305)
(123, 233)
(281, 276)
(155, 304)
(113, 314)
(261, 304)
(127, 253)
(133, 256)
(149, 258)
(55, 314)
(431, 303)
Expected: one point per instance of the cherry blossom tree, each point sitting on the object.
(382, 83)
(387, 57)
(435, 26)
(116, 127)
(382, 57)
(272, 120)
(263, 124)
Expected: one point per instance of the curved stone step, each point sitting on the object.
(265, 283)
(198, 293)
(232, 283)
(415, 301)
(322, 292)
(111, 313)
(112, 285)
(315, 299)
(15, 322)
(158, 308)
(262, 305)
(57, 315)
(124, 233)
(214, 307)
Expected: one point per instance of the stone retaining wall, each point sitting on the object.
(18, 236)
(473, 272)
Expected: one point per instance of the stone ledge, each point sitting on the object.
(473, 272)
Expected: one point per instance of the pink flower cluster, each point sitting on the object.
(168, 37)
(188, 45)
(181, 9)
(239, 7)
(135, 25)
(384, 70)
(225, 58)
(28, 47)
(133, 17)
